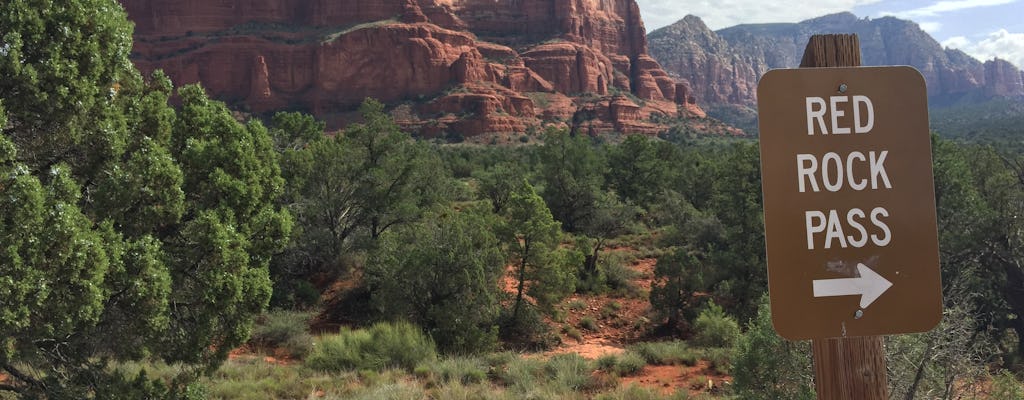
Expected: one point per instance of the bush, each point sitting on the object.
(589, 324)
(1006, 386)
(666, 353)
(635, 392)
(529, 331)
(577, 305)
(521, 374)
(714, 328)
(618, 277)
(719, 359)
(569, 372)
(630, 364)
(286, 329)
(572, 332)
(607, 362)
(766, 366)
(383, 345)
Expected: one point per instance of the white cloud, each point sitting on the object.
(1002, 43)
(945, 6)
(726, 13)
(931, 26)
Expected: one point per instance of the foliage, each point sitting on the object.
(455, 369)
(640, 169)
(947, 361)
(665, 353)
(442, 274)
(129, 230)
(1006, 386)
(997, 122)
(532, 237)
(715, 329)
(285, 329)
(498, 183)
(766, 366)
(630, 364)
(571, 174)
(383, 345)
(348, 190)
(588, 323)
(677, 276)
(610, 219)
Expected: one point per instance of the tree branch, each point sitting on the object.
(21, 376)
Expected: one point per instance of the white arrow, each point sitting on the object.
(869, 286)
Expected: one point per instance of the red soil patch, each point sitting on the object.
(669, 379)
(588, 350)
(279, 356)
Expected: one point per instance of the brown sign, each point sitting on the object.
(849, 203)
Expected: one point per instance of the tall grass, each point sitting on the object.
(666, 353)
(285, 329)
(383, 345)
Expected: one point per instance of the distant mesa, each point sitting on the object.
(466, 67)
(723, 66)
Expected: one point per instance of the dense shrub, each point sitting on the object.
(1006, 386)
(568, 371)
(285, 329)
(715, 329)
(383, 345)
(588, 323)
(665, 353)
(629, 364)
(456, 369)
(528, 330)
(766, 366)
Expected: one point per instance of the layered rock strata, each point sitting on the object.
(468, 66)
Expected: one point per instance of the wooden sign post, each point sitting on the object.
(851, 236)
(845, 368)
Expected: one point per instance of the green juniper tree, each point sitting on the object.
(128, 230)
(442, 274)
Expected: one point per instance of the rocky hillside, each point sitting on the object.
(723, 66)
(463, 66)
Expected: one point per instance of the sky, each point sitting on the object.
(981, 28)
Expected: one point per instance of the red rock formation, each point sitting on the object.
(468, 63)
(724, 66)
(1003, 79)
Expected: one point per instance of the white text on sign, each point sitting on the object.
(854, 227)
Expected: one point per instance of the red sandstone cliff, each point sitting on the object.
(469, 66)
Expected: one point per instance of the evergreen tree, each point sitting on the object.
(128, 230)
(442, 274)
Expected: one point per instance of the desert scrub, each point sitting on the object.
(577, 305)
(568, 372)
(630, 364)
(714, 328)
(283, 329)
(383, 345)
(635, 392)
(719, 359)
(588, 323)
(572, 332)
(465, 370)
(666, 353)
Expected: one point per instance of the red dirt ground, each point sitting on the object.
(669, 379)
(619, 328)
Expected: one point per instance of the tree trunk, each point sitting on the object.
(522, 280)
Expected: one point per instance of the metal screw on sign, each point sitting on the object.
(842, 88)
